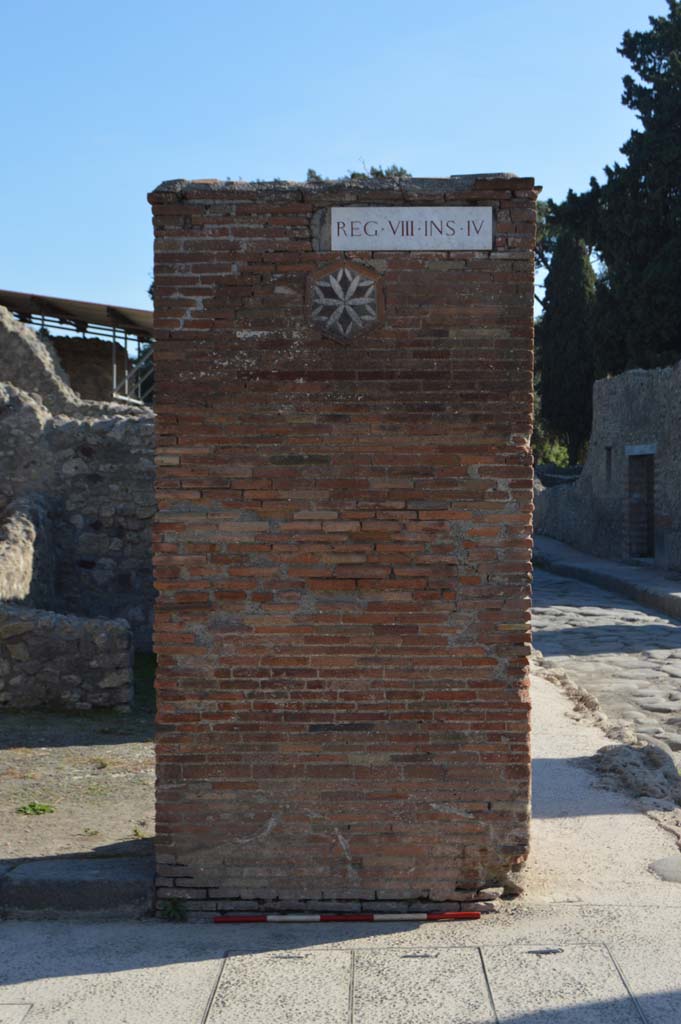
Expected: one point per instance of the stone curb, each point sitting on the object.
(54, 887)
(647, 594)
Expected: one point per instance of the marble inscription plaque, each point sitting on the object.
(411, 227)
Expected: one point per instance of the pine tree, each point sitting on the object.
(633, 220)
(564, 341)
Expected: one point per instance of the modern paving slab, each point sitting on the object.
(106, 974)
(546, 983)
(431, 986)
(283, 988)
(14, 1013)
(653, 973)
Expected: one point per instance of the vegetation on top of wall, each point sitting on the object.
(392, 172)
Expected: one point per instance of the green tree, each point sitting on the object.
(548, 227)
(633, 219)
(565, 346)
(547, 235)
(545, 447)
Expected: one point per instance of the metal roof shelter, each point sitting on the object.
(118, 324)
(81, 317)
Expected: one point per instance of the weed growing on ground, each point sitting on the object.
(35, 808)
(172, 910)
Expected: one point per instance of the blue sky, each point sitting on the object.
(101, 102)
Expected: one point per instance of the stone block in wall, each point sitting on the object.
(65, 662)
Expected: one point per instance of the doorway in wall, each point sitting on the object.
(641, 506)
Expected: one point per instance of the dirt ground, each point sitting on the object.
(95, 769)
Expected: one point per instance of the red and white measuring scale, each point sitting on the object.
(432, 915)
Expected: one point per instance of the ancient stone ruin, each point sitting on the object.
(344, 382)
(625, 504)
(76, 506)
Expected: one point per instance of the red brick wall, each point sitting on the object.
(342, 554)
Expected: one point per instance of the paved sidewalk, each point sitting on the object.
(645, 584)
(595, 941)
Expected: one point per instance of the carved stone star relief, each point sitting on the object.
(344, 302)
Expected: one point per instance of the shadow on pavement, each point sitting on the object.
(652, 1008)
(555, 796)
(32, 950)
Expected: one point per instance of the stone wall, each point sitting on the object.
(63, 661)
(637, 408)
(91, 463)
(46, 659)
(343, 544)
(87, 363)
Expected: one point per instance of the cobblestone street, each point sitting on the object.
(627, 657)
